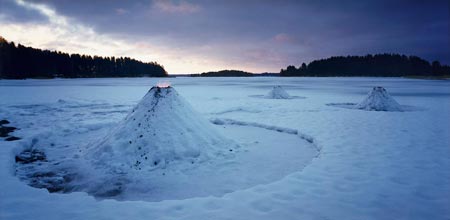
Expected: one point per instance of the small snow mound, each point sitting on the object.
(278, 92)
(379, 99)
(61, 101)
(163, 128)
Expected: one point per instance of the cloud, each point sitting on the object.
(68, 35)
(121, 11)
(11, 11)
(285, 38)
(181, 7)
(60, 32)
(195, 36)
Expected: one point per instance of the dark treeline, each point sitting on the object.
(224, 73)
(20, 62)
(391, 65)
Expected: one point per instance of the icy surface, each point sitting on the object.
(372, 165)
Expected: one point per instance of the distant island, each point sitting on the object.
(378, 65)
(20, 62)
(387, 65)
(224, 73)
(232, 73)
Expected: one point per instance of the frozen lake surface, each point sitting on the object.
(368, 165)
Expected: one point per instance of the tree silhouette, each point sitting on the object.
(370, 65)
(225, 73)
(20, 62)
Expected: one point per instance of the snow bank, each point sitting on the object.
(278, 92)
(379, 99)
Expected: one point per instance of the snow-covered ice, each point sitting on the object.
(370, 165)
(163, 149)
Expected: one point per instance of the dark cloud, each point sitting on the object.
(269, 33)
(11, 12)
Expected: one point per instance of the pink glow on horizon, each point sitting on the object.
(163, 84)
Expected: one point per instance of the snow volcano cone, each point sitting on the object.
(278, 92)
(162, 129)
(379, 99)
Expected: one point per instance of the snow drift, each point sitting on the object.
(162, 129)
(278, 92)
(379, 99)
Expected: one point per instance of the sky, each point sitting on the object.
(251, 35)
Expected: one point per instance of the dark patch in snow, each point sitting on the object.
(28, 160)
(6, 130)
(12, 138)
(30, 156)
(33, 167)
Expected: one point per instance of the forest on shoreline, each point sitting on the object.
(21, 62)
(382, 65)
(224, 73)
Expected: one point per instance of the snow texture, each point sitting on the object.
(147, 156)
(278, 92)
(379, 99)
(163, 128)
(227, 121)
(372, 164)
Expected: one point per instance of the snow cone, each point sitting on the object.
(162, 129)
(278, 92)
(379, 99)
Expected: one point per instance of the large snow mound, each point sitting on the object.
(379, 99)
(163, 128)
(278, 92)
